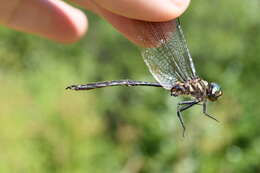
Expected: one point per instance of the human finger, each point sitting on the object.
(152, 10)
(53, 19)
(136, 31)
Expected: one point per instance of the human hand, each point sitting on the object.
(59, 21)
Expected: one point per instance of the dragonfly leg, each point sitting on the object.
(205, 112)
(187, 102)
(187, 105)
(182, 122)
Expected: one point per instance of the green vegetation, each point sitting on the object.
(44, 128)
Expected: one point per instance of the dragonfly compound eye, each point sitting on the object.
(215, 92)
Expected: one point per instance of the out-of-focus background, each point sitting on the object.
(45, 128)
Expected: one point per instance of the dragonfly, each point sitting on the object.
(167, 56)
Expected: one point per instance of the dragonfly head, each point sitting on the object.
(214, 91)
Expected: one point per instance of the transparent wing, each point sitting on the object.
(166, 53)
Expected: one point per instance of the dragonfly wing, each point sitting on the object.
(166, 53)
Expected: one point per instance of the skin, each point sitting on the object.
(64, 23)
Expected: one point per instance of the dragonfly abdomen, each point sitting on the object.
(195, 87)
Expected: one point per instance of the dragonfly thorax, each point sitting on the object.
(196, 88)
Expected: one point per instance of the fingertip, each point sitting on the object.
(152, 10)
(77, 25)
(71, 24)
(180, 6)
(169, 11)
(52, 19)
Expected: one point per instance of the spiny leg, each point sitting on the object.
(205, 112)
(187, 105)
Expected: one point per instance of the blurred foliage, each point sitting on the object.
(45, 128)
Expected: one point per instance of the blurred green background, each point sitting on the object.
(45, 128)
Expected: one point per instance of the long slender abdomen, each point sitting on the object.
(103, 84)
